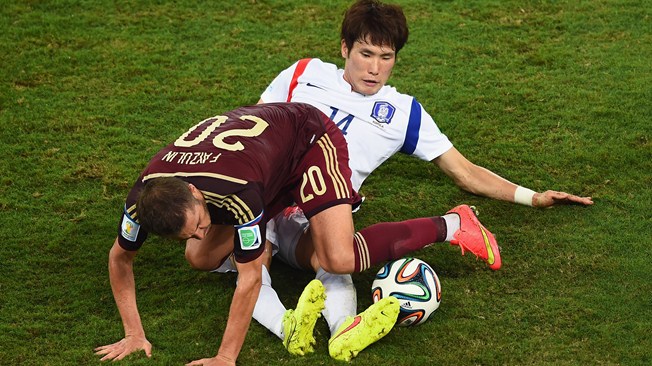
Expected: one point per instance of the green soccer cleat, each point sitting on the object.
(298, 324)
(358, 332)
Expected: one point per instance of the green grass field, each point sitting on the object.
(549, 94)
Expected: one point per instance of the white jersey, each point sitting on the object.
(375, 126)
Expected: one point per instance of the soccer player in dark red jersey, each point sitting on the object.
(219, 183)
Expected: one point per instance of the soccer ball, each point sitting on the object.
(416, 286)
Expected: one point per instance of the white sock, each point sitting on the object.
(269, 309)
(341, 300)
(452, 225)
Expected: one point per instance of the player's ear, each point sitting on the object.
(194, 190)
(345, 49)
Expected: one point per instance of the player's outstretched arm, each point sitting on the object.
(483, 182)
(124, 292)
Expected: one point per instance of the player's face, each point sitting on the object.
(367, 66)
(198, 222)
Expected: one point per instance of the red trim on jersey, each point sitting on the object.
(301, 67)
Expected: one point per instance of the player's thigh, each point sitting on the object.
(332, 236)
(209, 252)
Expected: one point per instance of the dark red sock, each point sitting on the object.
(393, 240)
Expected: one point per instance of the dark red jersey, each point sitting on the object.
(249, 164)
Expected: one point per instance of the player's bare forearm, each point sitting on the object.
(242, 307)
(123, 286)
(473, 178)
(240, 313)
(486, 183)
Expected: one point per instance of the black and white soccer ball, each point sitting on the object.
(416, 286)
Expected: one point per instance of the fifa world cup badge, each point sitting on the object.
(129, 228)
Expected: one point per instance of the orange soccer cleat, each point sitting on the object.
(475, 238)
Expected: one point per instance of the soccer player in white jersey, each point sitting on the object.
(377, 122)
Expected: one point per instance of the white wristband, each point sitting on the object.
(523, 196)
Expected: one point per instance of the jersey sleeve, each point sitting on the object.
(423, 138)
(281, 87)
(245, 211)
(249, 240)
(130, 235)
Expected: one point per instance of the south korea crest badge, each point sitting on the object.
(383, 112)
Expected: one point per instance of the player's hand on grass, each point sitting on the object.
(121, 349)
(550, 198)
(214, 361)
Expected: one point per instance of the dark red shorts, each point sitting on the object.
(326, 180)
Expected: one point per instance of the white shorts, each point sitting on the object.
(283, 231)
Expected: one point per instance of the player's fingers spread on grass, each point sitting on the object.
(550, 198)
(110, 356)
(582, 200)
(215, 361)
(103, 350)
(112, 351)
(122, 355)
(198, 362)
(131, 347)
(121, 349)
(563, 197)
(557, 195)
(117, 355)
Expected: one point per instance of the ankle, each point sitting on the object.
(452, 225)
